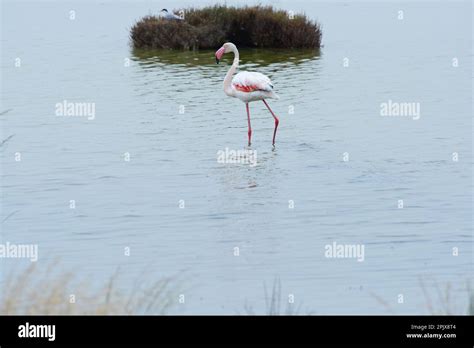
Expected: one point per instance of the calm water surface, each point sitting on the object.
(173, 156)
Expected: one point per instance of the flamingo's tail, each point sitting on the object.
(274, 95)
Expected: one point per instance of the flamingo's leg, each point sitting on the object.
(276, 121)
(248, 119)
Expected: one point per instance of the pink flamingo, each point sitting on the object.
(247, 86)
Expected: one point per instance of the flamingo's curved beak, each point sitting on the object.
(220, 52)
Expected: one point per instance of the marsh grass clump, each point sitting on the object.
(48, 292)
(209, 27)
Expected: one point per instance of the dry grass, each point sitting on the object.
(48, 292)
(438, 300)
(210, 27)
(274, 303)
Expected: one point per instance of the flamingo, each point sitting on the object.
(247, 86)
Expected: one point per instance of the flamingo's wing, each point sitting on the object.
(251, 81)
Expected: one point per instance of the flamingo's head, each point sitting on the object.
(226, 48)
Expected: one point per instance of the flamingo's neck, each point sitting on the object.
(228, 77)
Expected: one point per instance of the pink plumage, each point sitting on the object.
(258, 85)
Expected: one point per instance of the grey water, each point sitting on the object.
(142, 172)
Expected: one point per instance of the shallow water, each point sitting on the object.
(167, 110)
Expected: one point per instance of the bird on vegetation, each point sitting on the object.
(171, 16)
